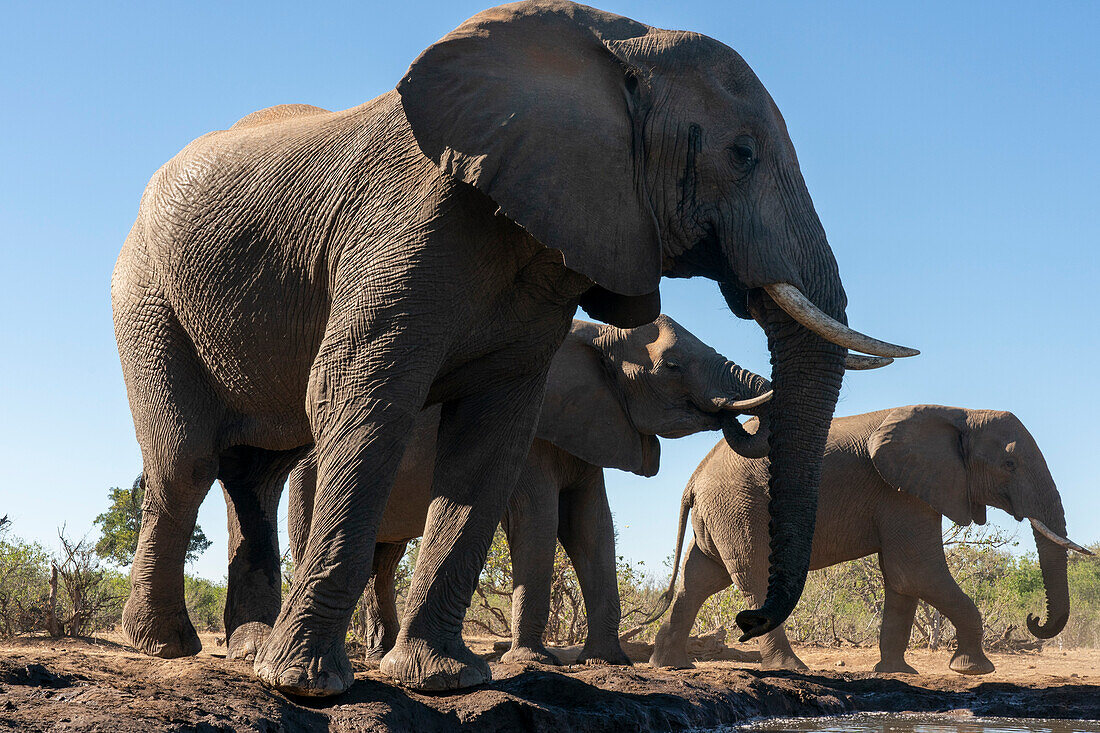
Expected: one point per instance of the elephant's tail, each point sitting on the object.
(665, 600)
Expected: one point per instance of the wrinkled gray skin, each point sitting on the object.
(610, 393)
(887, 479)
(311, 277)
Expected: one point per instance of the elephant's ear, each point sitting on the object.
(583, 414)
(527, 103)
(919, 450)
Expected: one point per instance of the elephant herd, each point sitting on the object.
(377, 304)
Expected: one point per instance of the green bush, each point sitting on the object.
(205, 603)
(89, 596)
(24, 584)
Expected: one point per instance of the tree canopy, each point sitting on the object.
(121, 524)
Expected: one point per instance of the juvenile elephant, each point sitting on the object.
(610, 393)
(887, 479)
(316, 278)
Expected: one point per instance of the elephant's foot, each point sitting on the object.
(434, 667)
(247, 639)
(607, 653)
(670, 654)
(529, 653)
(971, 663)
(897, 666)
(165, 634)
(307, 668)
(789, 662)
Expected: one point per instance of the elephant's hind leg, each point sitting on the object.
(702, 578)
(381, 622)
(252, 483)
(176, 416)
(897, 624)
(483, 440)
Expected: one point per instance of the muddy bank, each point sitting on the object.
(77, 685)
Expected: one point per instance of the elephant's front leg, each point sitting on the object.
(362, 405)
(379, 599)
(588, 535)
(947, 597)
(919, 568)
(531, 523)
(304, 655)
(483, 440)
(898, 612)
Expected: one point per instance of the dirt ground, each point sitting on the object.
(86, 685)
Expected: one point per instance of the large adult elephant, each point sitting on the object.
(609, 395)
(888, 479)
(318, 278)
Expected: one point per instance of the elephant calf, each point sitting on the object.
(610, 393)
(886, 480)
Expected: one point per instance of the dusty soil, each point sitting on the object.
(49, 684)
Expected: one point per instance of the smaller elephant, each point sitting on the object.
(610, 393)
(887, 479)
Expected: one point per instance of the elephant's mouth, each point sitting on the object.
(692, 424)
(684, 432)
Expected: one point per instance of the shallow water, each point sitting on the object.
(915, 723)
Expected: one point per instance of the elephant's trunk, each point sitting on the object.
(1052, 562)
(741, 384)
(806, 376)
(737, 387)
(749, 440)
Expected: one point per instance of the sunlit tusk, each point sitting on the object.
(799, 307)
(859, 362)
(1058, 539)
(745, 405)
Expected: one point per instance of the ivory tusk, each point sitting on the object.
(749, 404)
(859, 362)
(799, 307)
(1057, 538)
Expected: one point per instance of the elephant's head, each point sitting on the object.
(960, 461)
(612, 391)
(638, 152)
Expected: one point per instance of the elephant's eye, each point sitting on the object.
(1010, 464)
(672, 366)
(743, 153)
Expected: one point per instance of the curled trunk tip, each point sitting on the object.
(1050, 629)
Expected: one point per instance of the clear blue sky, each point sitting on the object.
(951, 150)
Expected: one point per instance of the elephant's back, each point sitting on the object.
(277, 113)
